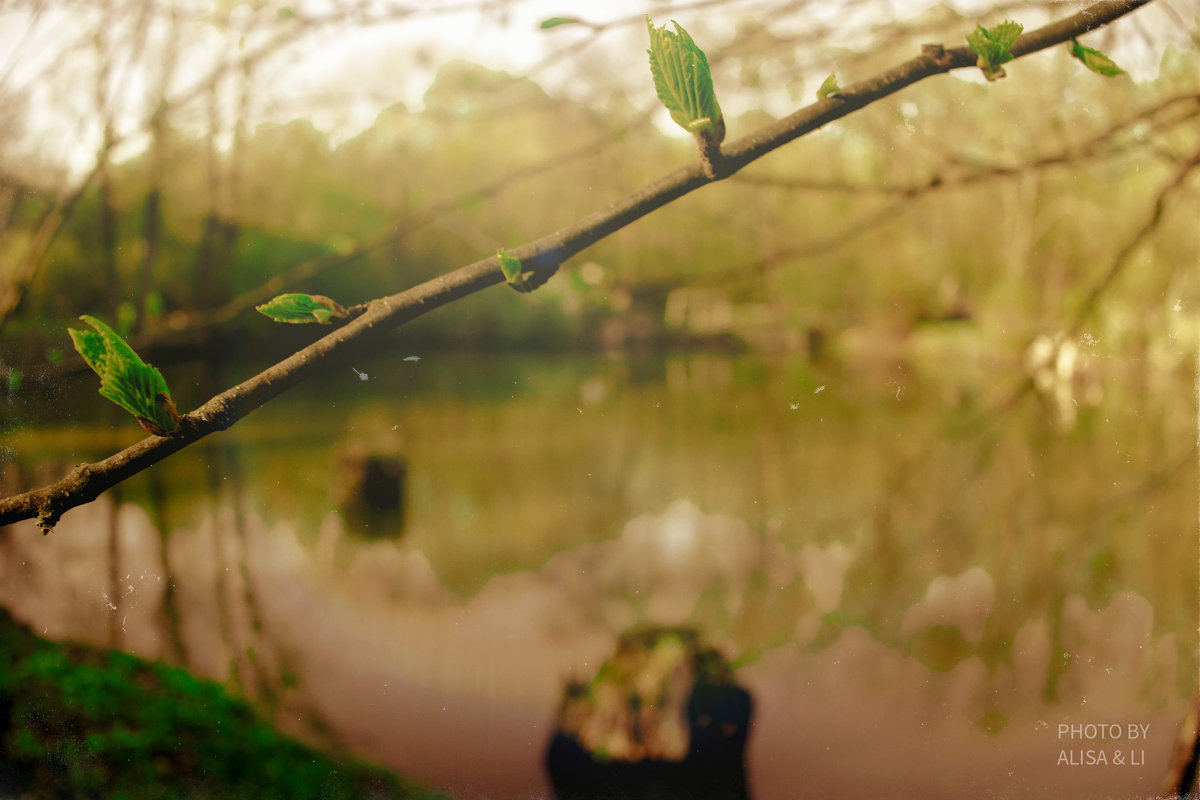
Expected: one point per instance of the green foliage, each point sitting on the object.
(554, 22)
(683, 81)
(84, 723)
(301, 189)
(1095, 60)
(298, 308)
(125, 379)
(829, 87)
(992, 45)
(511, 267)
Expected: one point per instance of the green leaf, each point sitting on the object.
(510, 265)
(991, 45)
(125, 379)
(299, 308)
(1095, 60)
(829, 88)
(554, 22)
(683, 81)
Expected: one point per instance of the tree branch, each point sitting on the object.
(1103, 144)
(543, 256)
(1122, 257)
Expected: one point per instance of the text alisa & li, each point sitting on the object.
(1092, 758)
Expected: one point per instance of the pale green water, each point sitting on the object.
(1000, 565)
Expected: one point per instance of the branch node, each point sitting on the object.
(47, 515)
(214, 415)
(535, 279)
(712, 162)
(937, 54)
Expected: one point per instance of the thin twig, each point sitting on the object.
(1122, 257)
(1098, 146)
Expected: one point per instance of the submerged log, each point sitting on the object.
(662, 719)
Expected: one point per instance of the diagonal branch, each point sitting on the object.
(543, 256)
(400, 229)
(1122, 257)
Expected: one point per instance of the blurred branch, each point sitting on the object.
(1122, 257)
(13, 289)
(1092, 148)
(1026, 385)
(778, 259)
(542, 257)
(402, 228)
(595, 29)
(1089, 149)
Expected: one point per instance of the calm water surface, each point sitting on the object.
(920, 582)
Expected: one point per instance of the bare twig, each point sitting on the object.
(1122, 257)
(782, 257)
(542, 256)
(1105, 143)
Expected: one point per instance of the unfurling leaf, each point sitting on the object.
(554, 22)
(992, 45)
(829, 88)
(1095, 60)
(683, 81)
(125, 379)
(510, 265)
(299, 308)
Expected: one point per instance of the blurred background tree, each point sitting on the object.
(161, 160)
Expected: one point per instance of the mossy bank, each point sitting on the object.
(77, 722)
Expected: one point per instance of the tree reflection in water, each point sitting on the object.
(375, 655)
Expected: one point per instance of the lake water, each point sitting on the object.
(929, 590)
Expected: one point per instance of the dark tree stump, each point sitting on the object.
(662, 720)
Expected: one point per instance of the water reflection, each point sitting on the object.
(915, 609)
(365, 648)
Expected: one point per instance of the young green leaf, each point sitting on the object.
(299, 308)
(991, 45)
(510, 265)
(683, 81)
(1095, 60)
(554, 22)
(125, 379)
(829, 88)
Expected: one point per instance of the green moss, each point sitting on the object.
(79, 723)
